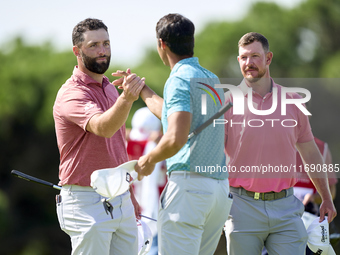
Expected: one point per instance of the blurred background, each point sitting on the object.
(36, 59)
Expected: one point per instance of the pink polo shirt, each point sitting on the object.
(261, 152)
(82, 152)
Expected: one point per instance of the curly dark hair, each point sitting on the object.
(83, 26)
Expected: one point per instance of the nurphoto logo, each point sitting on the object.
(239, 102)
(204, 97)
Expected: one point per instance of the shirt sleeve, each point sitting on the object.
(78, 107)
(228, 99)
(177, 94)
(305, 131)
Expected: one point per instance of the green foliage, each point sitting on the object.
(305, 43)
(3, 212)
(155, 73)
(331, 67)
(30, 78)
(35, 247)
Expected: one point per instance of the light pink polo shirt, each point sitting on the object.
(261, 152)
(82, 152)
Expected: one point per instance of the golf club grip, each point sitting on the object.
(33, 179)
(224, 109)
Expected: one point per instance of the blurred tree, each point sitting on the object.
(305, 45)
(30, 77)
(155, 73)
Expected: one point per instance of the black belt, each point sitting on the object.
(266, 196)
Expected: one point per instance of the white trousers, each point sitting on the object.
(193, 210)
(82, 216)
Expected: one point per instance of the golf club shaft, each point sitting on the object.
(34, 179)
(224, 109)
(146, 217)
(49, 184)
(39, 181)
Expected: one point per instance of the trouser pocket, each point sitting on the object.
(60, 211)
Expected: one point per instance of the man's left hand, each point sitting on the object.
(327, 207)
(143, 167)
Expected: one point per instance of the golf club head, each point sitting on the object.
(144, 237)
(112, 182)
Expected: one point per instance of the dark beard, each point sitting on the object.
(92, 65)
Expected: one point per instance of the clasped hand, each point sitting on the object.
(131, 84)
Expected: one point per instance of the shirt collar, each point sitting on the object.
(191, 61)
(87, 79)
(244, 87)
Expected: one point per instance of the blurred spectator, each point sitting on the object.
(304, 188)
(142, 138)
(305, 191)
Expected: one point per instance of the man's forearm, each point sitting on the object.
(317, 198)
(166, 148)
(152, 101)
(109, 122)
(320, 181)
(312, 157)
(174, 139)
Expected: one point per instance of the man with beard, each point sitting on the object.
(265, 212)
(90, 120)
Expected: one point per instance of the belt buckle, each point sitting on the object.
(256, 196)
